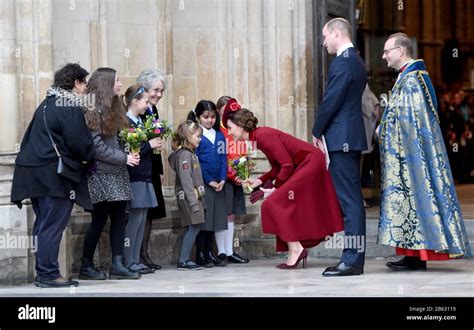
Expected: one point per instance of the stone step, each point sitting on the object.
(257, 248)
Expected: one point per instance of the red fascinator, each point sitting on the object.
(231, 106)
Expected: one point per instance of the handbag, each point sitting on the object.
(66, 168)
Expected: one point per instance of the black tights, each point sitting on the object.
(146, 238)
(100, 214)
(204, 242)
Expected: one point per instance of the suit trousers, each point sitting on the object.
(345, 172)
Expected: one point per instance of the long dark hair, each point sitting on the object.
(108, 114)
(201, 107)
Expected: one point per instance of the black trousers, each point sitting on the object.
(52, 216)
(100, 214)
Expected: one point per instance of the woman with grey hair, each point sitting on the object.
(154, 81)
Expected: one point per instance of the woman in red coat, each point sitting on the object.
(302, 208)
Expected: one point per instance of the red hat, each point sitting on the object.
(231, 106)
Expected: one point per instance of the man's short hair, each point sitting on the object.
(402, 40)
(341, 25)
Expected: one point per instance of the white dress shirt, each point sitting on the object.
(136, 121)
(344, 47)
(210, 134)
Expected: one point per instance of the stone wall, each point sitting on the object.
(259, 51)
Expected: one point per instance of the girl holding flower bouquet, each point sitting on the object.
(144, 197)
(212, 157)
(109, 184)
(234, 194)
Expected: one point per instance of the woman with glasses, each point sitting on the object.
(59, 117)
(109, 184)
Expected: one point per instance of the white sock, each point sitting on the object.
(220, 241)
(229, 238)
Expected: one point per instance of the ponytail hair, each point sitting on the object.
(133, 92)
(201, 107)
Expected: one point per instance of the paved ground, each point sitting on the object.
(261, 278)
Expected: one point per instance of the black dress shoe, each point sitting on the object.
(146, 260)
(203, 261)
(407, 263)
(60, 282)
(189, 265)
(215, 260)
(236, 259)
(88, 271)
(341, 269)
(155, 266)
(222, 257)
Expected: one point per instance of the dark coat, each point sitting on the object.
(156, 172)
(35, 166)
(339, 117)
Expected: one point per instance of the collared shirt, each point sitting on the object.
(344, 47)
(210, 134)
(403, 67)
(136, 121)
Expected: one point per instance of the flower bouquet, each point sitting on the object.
(155, 127)
(132, 138)
(242, 167)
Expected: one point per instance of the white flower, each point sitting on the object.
(242, 160)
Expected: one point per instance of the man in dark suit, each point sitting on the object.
(340, 121)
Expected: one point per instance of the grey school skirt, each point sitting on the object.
(143, 195)
(234, 198)
(215, 213)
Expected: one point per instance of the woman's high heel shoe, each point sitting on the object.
(303, 256)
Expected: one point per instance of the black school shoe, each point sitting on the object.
(222, 257)
(60, 282)
(215, 260)
(236, 259)
(201, 260)
(189, 265)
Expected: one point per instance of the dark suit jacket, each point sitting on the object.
(339, 117)
(155, 158)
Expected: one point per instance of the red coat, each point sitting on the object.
(304, 206)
